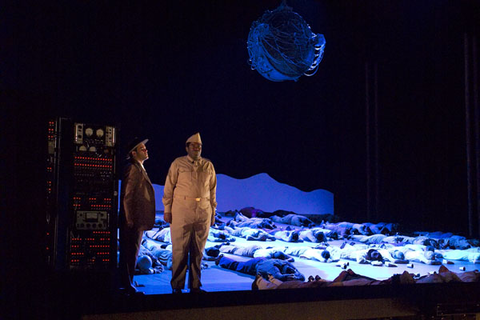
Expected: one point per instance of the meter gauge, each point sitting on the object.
(89, 132)
(92, 149)
(100, 133)
(82, 148)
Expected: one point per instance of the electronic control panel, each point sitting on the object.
(82, 190)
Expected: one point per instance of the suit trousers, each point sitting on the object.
(189, 230)
(130, 241)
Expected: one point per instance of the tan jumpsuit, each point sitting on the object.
(190, 195)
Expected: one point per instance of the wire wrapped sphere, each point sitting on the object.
(282, 46)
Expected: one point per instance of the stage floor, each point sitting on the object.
(217, 279)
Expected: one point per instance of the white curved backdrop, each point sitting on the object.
(263, 192)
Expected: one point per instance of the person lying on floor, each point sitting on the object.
(341, 231)
(218, 221)
(239, 217)
(457, 242)
(471, 255)
(348, 278)
(294, 220)
(316, 235)
(251, 212)
(364, 254)
(377, 228)
(426, 241)
(373, 239)
(251, 234)
(272, 253)
(452, 242)
(161, 252)
(241, 221)
(219, 236)
(404, 278)
(388, 251)
(329, 234)
(444, 275)
(366, 229)
(255, 251)
(286, 235)
(359, 253)
(160, 223)
(421, 247)
(345, 278)
(245, 251)
(382, 228)
(145, 265)
(279, 269)
(271, 283)
(402, 240)
(162, 235)
(305, 252)
(369, 256)
(348, 250)
(147, 262)
(447, 240)
(211, 253)
(434, 234)
(355, 228)
(398, 240)
(422, 254)
(393, 255)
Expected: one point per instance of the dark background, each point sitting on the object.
(167, 69)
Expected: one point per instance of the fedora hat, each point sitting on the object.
(134, 144)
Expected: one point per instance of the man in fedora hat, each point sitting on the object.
(137, 210)
(189, 197)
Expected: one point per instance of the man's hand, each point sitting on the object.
(167, 216)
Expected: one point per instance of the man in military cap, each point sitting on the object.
(137, 210)
(190, 200)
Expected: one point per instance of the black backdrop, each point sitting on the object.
(166, 69)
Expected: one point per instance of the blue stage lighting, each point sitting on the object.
(282, 46)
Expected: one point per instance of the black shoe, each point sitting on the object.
(177, 291)
(131, 291)
(197, 290)
(217, 260)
